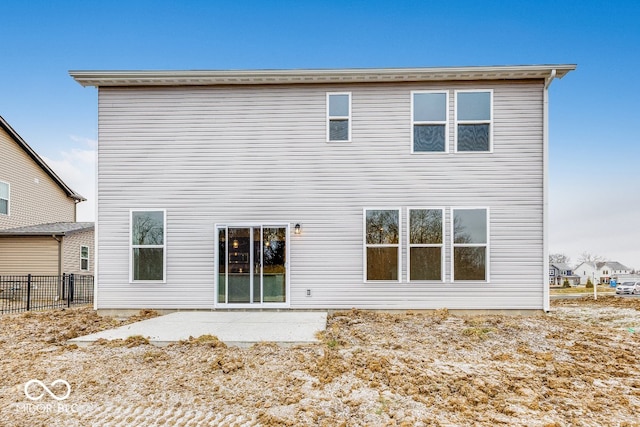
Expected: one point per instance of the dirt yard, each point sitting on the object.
(577, 366)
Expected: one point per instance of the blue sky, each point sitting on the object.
(594, 151)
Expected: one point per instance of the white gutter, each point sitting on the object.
(545, 190)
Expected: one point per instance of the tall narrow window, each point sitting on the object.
(473, 120)
(339, 117)
(382, 244)
(429, 118)
(470, 244)
(84, 258)
(148, 245)
(425, 244)
(4, 198)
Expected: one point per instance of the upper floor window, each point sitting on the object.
(430, 117)
(426, 254)
(148, 244)
(474, 115)
(84, 258)
(470, 244)
(339, 117)
(4, 198)
(382, 244)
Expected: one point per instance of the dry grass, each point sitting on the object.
(578, 366)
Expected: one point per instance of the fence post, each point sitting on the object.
(70, 290)
(28, 291)
(64, 285)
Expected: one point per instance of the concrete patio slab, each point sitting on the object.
(234, 328)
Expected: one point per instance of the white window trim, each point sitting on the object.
(163, 246)
(473, 122)
(487, 271)
(87, 258)
(8, 199)
(365, 245)
(431, 122)
(330, 117)
(262, 225)
(425, 245)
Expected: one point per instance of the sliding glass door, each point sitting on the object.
(252, 264)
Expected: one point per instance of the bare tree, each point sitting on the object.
(559, 259)
(590, 257)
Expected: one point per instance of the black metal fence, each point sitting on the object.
(30, 292)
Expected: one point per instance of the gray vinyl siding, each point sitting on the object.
(214, 155)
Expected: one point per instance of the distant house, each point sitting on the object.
(601, 272)
(38, 229)
(316, 189)
(558, 272)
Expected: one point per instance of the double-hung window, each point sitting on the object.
(4, 198)
(84, 258)
(382, 244)
(470, 244)
(426, 255)
(148, 245)
(339, 117)
(474, 115)
(430, 117)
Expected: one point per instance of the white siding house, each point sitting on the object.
(370, 188)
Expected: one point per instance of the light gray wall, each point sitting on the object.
(220, 154)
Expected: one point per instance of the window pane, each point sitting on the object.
(274, 264)
(4, 207)
(470, 226)
(469, 263)
(147, 228)
(84, 264)
(338, 105)
(4, 191)
(222, 265)
(473, 137)
(428, 137)
(474, 106)
(382, 227)
(425, 226)
(428, 107)
(382, 263)
(426, 264)
(84, 251)
(338, 130)
(148, 264)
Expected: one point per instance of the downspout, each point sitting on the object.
(59, 240)
(545, 190)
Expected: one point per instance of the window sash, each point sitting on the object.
(481, 245)
(5, 195)
(462, 122)
(392, 271)
(411, 245)
(135, 250)
(84, 259)
(417, 123)
(335, 118)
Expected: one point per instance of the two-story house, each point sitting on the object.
(601, 272)
(38, 229)
(372, 188)
(559, 272)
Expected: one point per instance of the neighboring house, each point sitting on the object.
(47, 249)
(371, 188)
(558, 272)
(601, 272)
(38, 232)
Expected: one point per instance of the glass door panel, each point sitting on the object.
(239, 265)
(257, 264)
(274, 267)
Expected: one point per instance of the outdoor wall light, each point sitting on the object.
(297, 229)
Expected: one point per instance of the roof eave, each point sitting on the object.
(36, 158)
(315, 76)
